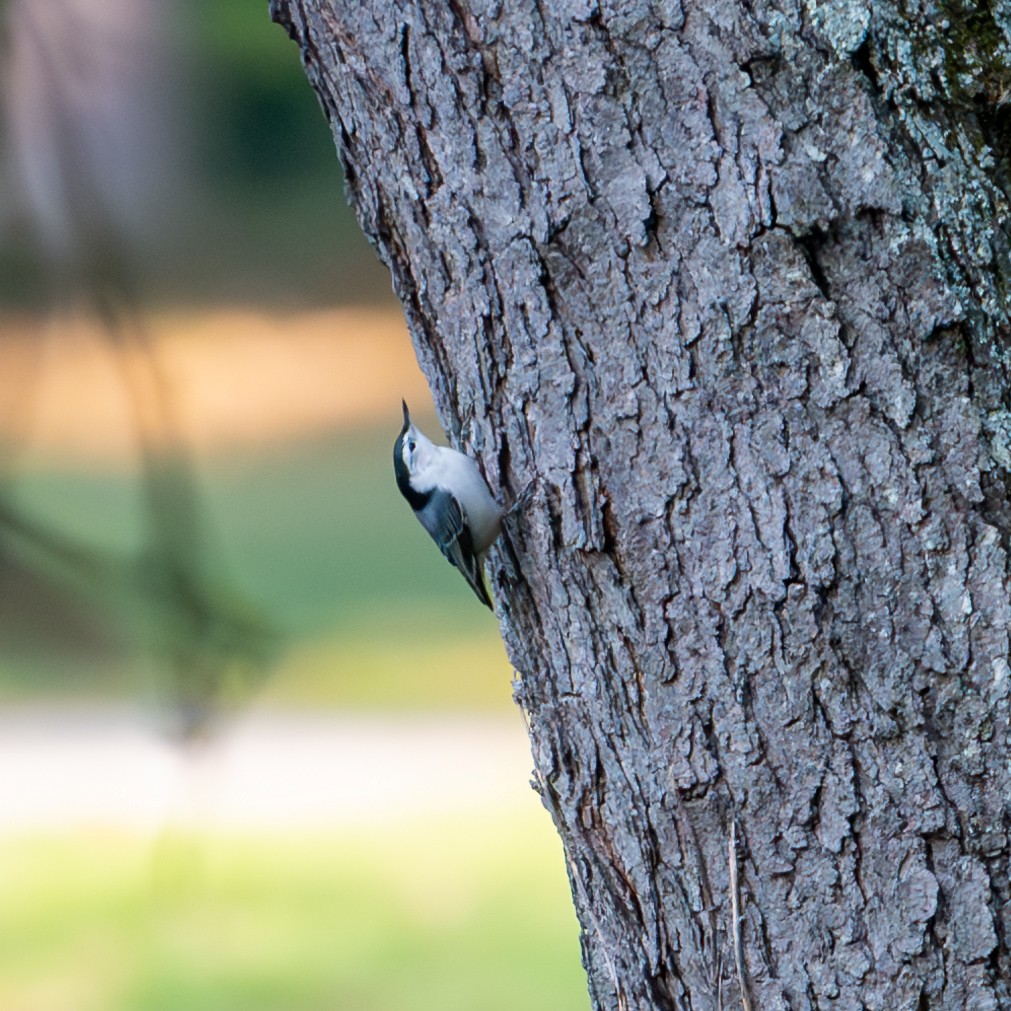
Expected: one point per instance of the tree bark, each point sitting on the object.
(729, 280)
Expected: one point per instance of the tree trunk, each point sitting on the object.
(729, 281)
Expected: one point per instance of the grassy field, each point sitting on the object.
(431, 916)
(314, 535)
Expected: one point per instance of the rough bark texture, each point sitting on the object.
(729, 278)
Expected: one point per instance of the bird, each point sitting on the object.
(451, 500)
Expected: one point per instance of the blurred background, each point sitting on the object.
(257, 743)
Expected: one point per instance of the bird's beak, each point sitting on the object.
(407, 413)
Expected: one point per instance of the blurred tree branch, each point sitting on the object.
(87, 134)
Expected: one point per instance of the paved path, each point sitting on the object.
(66, 768)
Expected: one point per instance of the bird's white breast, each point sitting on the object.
(459, 475)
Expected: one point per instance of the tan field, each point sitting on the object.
(231, 379)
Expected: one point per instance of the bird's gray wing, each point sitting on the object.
(443, 519)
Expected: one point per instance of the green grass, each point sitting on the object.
(448, 916)
(364, 669)
(316, 531)
(320, 531)
(315, 537)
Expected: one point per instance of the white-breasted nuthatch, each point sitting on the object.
(450, 498)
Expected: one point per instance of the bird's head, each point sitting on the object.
(411, 452)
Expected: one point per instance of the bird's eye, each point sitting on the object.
(411, 445)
